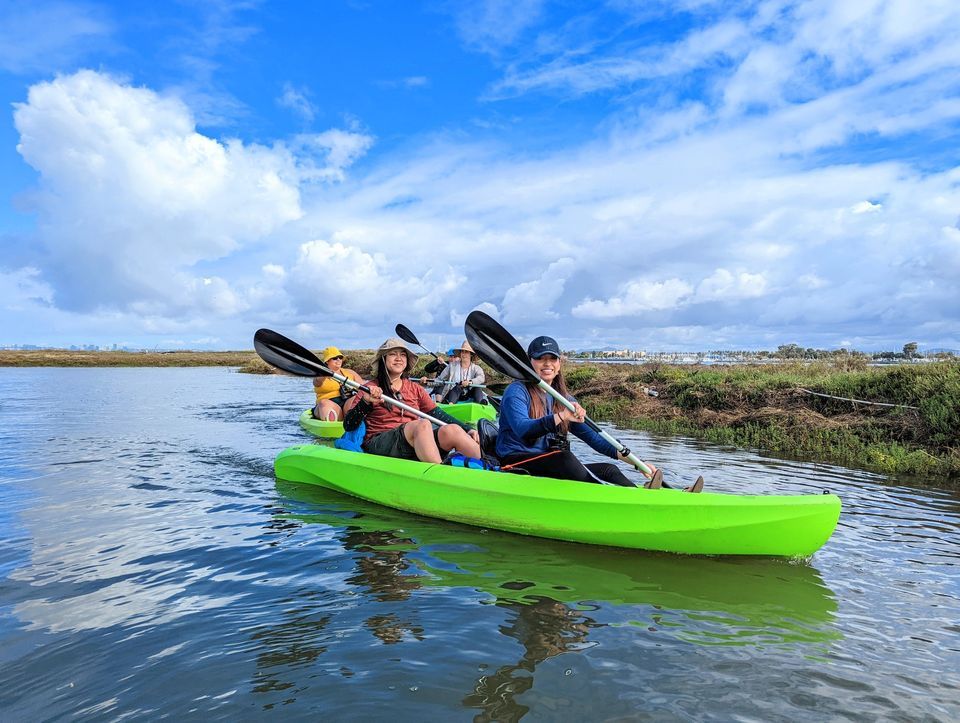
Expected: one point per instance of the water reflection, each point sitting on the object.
(553, 594)
(545, 628)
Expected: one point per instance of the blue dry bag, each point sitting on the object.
(351, 441)
(455, 459)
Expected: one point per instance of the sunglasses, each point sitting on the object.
(334, 358)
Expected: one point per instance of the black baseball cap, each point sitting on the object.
(543, 345)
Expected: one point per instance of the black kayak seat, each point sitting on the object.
(488, 431)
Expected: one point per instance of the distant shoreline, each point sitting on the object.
(71, 358)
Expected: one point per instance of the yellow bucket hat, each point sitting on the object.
(329, 353)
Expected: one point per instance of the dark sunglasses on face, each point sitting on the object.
(334, 358)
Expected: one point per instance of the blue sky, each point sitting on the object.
(662, 175)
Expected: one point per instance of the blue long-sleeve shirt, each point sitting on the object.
(521, 434)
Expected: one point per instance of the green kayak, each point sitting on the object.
(665, 519)
(467, 412)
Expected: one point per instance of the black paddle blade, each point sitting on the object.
(285, 354)
(407, 335)
(497, 347)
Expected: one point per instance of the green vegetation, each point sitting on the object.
(767, 407)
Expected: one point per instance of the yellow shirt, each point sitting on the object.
(328, 387)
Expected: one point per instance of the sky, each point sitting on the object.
(661, 175)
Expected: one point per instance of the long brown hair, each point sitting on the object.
(538, 399)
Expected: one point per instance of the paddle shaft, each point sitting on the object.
(447, 384)
(350, 383)
(630, 456)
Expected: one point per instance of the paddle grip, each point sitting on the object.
(631, 457)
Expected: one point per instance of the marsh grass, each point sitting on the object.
(765, 407)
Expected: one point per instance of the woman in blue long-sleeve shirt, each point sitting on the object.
(533, 429)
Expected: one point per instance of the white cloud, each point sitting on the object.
(636, 297)
(722, 285)
(344, 282)
(489, 25)
(866, 207)
(336, 149)
(534, 300)
(132, 196)
(42, 36)
(297, 101)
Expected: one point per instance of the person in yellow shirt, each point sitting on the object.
(330, 395)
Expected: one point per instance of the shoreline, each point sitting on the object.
(806, 410)
(70, 358)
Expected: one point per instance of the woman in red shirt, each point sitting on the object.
(391, 431)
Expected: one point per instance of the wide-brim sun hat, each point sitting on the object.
(396, 343)
(329, 353)
(464, 347)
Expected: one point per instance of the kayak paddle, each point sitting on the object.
(288, 356)
(497, 347)
(411, 338)
(423, 380)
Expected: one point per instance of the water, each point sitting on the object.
(150, 565)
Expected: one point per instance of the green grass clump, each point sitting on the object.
(764, 406)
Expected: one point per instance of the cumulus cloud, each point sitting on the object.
(132, 196)
(636, 297)
(343, 281)
(533, 300)
(722, 285)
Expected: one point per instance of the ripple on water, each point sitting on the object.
(151, 565)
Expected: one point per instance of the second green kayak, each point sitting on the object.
(665, 519)
(467, 412)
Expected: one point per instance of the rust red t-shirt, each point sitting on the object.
(384, 417)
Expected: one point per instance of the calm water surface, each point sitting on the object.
(150, 564)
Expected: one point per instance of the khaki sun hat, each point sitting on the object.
(396, 343)
(465, 347)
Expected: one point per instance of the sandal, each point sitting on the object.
(696, 486)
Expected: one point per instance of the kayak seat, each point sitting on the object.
(488, 431)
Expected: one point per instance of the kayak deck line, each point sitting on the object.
(667, 520)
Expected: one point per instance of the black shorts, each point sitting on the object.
(339, 401)
(393, 443)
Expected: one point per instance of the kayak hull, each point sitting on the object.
(467, 412)
(665, 520)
